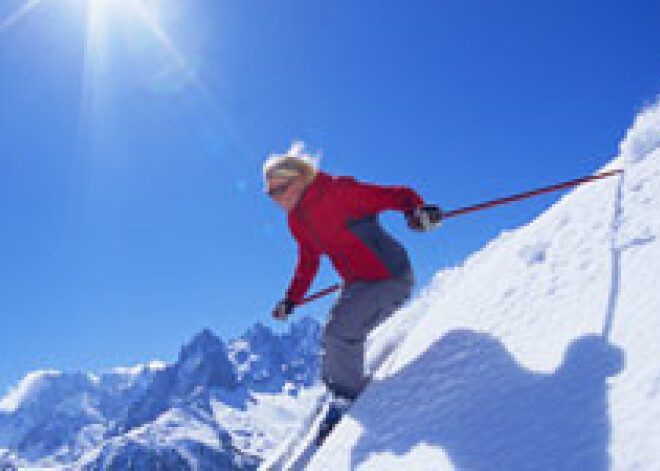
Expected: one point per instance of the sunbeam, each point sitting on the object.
(101, 15)
(148, 18)
(20, 13)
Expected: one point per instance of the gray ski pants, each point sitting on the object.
(361, 307)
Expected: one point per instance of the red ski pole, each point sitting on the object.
(529, 194)
(490, 204)
(320, 294)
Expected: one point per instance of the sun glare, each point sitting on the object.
(130, 26)
(102, 16)
(98, 12)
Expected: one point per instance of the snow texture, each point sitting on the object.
(218, 407)
(539, 353)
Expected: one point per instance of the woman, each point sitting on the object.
(338, 217)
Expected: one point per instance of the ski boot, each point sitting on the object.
(336, 410)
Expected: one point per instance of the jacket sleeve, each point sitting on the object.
(309, 259)
(368, 199)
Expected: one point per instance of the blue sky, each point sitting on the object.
(131, 208)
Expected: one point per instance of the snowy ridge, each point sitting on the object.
(30, 386)
(540, 352)
(218, 406)
(137, 370)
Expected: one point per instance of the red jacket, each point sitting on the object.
(337, 217)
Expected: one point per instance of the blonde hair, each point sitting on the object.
(296, 162)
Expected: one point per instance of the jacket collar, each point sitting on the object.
(313, 192)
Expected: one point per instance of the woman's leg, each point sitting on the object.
(360, 308)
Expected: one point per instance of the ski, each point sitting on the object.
(305, 449)
(290, 452)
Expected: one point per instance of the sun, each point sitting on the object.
(143, 15)
(103, 16)
(112, 31)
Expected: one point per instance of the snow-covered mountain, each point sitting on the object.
(541, 352)
(219, 406)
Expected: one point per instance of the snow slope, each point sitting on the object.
(541, 352)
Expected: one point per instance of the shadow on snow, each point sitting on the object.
(486, 412)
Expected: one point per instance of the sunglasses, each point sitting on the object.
(278, 190)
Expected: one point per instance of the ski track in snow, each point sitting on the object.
(540, 352)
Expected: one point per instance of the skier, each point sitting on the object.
(338, 217)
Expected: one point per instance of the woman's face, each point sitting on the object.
(286, 191)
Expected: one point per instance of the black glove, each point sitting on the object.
(283, 309)
(424, 218)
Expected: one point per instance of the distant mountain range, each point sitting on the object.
(219, 406)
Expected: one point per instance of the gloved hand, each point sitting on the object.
(424, 218)
(283, 309)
